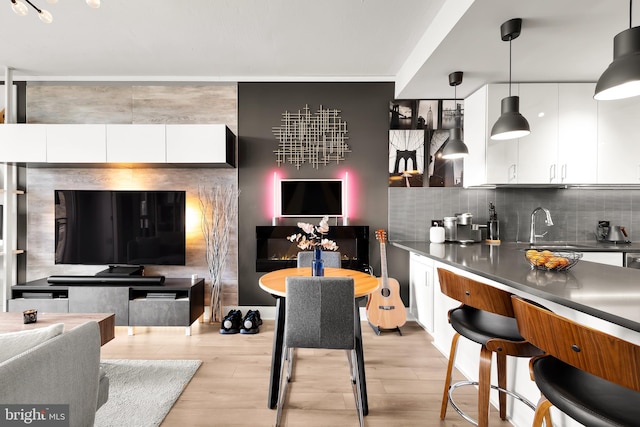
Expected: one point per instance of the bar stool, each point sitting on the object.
(589, 375)
(485, 317)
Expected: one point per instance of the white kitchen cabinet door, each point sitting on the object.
(538, 151)
(136, 144)
(23, 143)
(197, 143)
(577, 134)
(421, 290)
(611, 258)
(77, 143)
(618, 147)
(475, 137)
(502, 156)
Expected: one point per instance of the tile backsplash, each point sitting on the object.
(575, 211)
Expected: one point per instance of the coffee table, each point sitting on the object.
(13, 322)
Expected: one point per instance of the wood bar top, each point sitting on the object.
(13, 322)
(274, 282)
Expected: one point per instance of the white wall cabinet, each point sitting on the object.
(136, 144)
(561, 149)
(211, 144)
(538, 151)
(76, 143)
(618, 148)
(421, 290)
(23, 143)
(200, 144)
(577, 134)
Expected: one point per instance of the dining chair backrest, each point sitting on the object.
(475, 294)
(320, 312)
(580, 346)
(331, 259)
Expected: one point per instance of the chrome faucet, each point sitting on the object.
(548, 221)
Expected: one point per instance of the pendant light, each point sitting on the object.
(511, 124)
(622, 78)
(455, 148)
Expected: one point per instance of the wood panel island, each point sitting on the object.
(601, 296)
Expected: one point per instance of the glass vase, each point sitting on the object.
(317, 264)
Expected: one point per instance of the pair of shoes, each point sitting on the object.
(251, 322)
(231, 322)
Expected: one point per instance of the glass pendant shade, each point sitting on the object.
(19, 8)
(622, 78)
(455, 148)
(93, 3)
(45, 16)
(511, 124)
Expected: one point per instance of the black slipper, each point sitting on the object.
(231, 323)
(251, 322)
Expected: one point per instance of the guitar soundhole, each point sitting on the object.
(385, 292)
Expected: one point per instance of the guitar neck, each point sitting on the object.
(383, 265)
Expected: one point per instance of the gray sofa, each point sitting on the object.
(64, 369)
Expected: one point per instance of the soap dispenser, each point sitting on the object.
(436, 232)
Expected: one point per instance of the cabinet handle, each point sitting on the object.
(552, 172)
(563, 172)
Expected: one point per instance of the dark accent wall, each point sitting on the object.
(365, 108)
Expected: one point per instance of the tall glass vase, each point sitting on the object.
(317, 264)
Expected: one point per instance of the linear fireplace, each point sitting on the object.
(274, 251)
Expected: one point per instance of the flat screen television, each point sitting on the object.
(311, 197)
(101, 227)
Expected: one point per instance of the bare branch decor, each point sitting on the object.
(218, 207)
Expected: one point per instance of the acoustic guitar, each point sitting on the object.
(385, 309)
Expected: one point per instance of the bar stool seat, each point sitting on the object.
(486, 317)
(586, 397)
(481, 326)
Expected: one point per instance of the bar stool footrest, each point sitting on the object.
(494, 387)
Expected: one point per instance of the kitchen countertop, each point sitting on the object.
(603, 291)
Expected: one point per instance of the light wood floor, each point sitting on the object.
(405, 376)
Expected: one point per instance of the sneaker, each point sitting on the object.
(231, 322)
(251, 322)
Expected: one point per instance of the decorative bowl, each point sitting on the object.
(552, 260)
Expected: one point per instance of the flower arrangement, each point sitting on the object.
(313, 236)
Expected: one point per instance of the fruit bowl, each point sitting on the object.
(552, 261)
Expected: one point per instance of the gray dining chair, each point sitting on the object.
(331, 259)
(319, 313)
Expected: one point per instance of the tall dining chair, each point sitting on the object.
(319, 313)
(591, 376)
(331, 259)
(486, 317)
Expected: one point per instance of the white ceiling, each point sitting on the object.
(415, 43)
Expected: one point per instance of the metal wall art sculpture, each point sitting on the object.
(317, 139)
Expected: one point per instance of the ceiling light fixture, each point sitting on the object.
(21, 9)
(622, 78)
(511, 124)
(455, 148)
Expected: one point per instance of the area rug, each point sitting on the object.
(142, 392)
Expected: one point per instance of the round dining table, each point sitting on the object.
(275, 283)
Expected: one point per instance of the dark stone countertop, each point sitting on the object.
(603, 291)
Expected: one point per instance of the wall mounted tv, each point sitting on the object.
(311, 197)
(100, 227)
